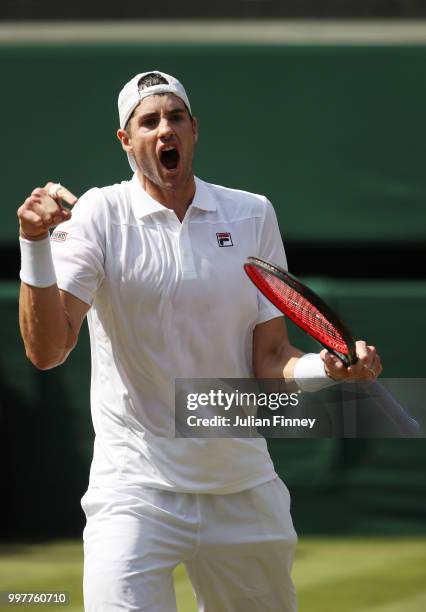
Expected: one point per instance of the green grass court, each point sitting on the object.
(331, 574)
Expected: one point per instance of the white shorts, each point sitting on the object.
(237, 548)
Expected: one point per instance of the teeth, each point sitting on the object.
(169, 148)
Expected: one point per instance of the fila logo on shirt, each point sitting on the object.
(224, 239)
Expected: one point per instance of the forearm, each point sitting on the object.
(49, 319)
(45, 328)
(278, 363)
(300, 371)
(274, 357)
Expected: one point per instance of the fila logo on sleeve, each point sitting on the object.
(224, 239)
(59, 236)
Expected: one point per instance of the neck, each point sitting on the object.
(177, 199)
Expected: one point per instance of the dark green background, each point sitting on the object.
(334, 136)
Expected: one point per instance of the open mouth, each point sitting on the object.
(169, 158)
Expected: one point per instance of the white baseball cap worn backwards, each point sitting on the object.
(130, 96)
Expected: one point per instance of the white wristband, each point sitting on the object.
(37, 267)
(309, 373)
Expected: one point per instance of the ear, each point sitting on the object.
(195, 128)
(125, 139)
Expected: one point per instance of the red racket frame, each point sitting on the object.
(342, 344)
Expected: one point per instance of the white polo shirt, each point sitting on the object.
(169, 300)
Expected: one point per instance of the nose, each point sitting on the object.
(165, 129)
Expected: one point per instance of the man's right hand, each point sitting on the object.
(40, 211)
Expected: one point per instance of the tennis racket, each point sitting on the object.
(309, 312)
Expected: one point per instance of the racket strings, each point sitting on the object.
(298, 308)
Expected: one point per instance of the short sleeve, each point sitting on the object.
(271, 248)
(78, 247)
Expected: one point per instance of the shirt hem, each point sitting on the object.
(70, 287)
(223, 490)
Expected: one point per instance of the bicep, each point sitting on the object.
(75, 310)
(273, 355)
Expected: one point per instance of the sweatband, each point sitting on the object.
(37, 267)
(309, 373)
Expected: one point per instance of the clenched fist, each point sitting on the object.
(40, 211)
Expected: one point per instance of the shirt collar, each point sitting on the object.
(145, 205)
(203, 198)
(142, 202)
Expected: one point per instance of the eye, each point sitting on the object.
(178, 117)
(149, 122)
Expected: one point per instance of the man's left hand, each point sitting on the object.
(368, 366)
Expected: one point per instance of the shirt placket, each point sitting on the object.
(185, 249)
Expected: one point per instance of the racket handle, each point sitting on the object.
(405, 424)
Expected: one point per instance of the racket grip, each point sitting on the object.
(405, 424)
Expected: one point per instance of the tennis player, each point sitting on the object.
(156, 265)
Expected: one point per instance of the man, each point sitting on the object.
(143, 261)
